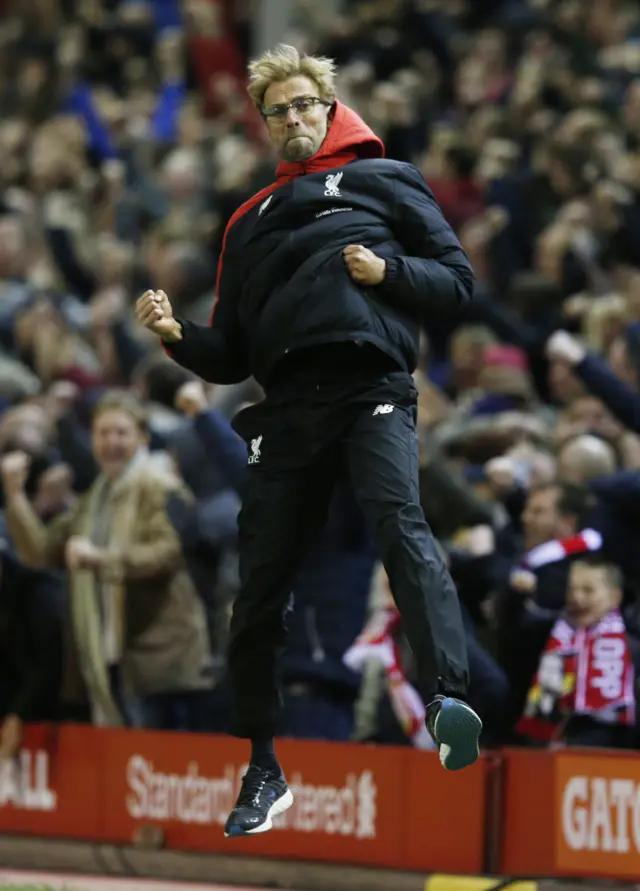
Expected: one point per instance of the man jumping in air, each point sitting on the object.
(324, 281)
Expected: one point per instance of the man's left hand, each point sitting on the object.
(83, 554)
(365, 267)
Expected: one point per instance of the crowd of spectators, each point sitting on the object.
(126, 143)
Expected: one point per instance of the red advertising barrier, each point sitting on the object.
(526, 835)
(347, 805)
(445, 826)
(574, 812)
(55, 787)
(391, 807)
(564, 813)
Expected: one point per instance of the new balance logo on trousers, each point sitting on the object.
(383, 409)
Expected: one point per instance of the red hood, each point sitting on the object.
(348, 139)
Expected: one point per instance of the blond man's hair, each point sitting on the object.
(284, 62)
(475, 336)
(121, 400)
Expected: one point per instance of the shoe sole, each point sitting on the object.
(457, 730)
(278, 807)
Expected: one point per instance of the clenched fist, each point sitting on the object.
(191, 398)
(564, 347)
(54, 490)
(15, 472)
(80, 553)
(501, 473)
(154, 311)
(524, 581)
(365, 267)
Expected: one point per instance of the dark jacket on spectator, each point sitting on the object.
(616, 516)
(619, 398)
(32, 611)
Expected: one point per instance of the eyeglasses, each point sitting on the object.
(301, 107)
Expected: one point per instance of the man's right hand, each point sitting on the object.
(500, 473)
(564, 347)
(523, 581)
(191, 398)
(15, 472)
(154, 311)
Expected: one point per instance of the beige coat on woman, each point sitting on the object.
(157, 625)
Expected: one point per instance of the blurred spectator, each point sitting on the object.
(140, 643)
(584, 692)
(32, 608)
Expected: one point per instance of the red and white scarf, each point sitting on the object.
(583, 671)
(561, 548)
(553, 552)
(377, 641)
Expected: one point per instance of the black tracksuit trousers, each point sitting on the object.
(330, 410)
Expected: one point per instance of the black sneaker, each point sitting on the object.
(263, 795)
(455, 729)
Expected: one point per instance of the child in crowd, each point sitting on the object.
(584, 690)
